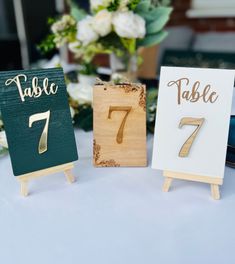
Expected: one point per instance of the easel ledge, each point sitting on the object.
(25, 178)
(213, 181)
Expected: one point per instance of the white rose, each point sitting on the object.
(3, 139)
(86, 34)
(80, 93)
(129, 25)
(96, 4)
(102, 22)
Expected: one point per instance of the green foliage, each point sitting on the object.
(129, 44)
(113, 5)
(151, 101)
(133, 4)
(88, 69)
(162, 15)
(47, 44)
(3, 151)
(77, 12)
(155, 14)
(165, 2)
(88, 52)
(84, 118)
(112, 44)
(153, 39)
(143, 6)
(51, 20)
(156, 17)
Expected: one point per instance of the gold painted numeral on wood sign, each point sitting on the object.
(184, 151)
(126, 109)
(42, 146)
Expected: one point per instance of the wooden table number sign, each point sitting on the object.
(38, 124)
(119, 125)
(192, 124)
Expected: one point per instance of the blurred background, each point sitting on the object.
(201, 33)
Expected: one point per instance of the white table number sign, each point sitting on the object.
(192, 123)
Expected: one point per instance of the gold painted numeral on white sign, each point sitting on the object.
(42, 146)
(190, 121)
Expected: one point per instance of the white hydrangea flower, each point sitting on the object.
(85, 32)
(65, 22)
(80, 93)
(102, 22)
(129, 25)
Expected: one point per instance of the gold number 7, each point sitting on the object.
(42, 146)
(127, 109)
(188, 143)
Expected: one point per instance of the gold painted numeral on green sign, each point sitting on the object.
(42, 146)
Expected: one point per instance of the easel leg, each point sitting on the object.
(69, 176)
(167, 184)
(215, 191)
(24, 188)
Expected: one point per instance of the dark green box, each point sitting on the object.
(23, 141)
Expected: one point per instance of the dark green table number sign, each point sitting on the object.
(37, 120)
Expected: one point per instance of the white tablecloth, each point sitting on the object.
(114, 216)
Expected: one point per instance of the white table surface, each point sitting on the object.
(114, 216)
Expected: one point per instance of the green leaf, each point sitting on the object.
(153, 39)
(77, 12)
(113, 6)
(84, 118)
(129, 44)
(154, 13)
(3, 151)
(160, 20)
(133, 4)
(143, 6)
(47, 44)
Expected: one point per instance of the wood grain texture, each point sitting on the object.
(215, 192)
(24, 179)
(109, 149)
(23, 140)
(198, 122)
(167, 184)
(213, 181)
(193, 177)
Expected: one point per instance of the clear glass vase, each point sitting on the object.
(124, 68)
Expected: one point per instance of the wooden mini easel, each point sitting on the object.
(25, 178)
(214, 182)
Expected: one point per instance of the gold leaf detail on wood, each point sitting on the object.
(102, 163)
(142, 101)
(128, 88)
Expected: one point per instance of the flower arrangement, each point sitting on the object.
(117, 27)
